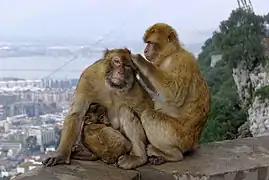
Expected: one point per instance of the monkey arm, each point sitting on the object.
(171, 87)
(74, 119)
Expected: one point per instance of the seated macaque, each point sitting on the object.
(102, 141)
(111, 83)
(170, 74)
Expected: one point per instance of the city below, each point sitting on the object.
(31, 118)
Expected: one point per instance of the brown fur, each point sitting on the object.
(105, 142)
(96, 114)
(100, 140)
(124, 103)
(182, 99)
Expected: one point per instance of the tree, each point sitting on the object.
(266, 17)
(238, 39)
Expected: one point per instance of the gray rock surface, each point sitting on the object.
(240, 159)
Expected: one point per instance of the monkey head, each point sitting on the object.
(160, 38)
(96, 114)
(119, 73)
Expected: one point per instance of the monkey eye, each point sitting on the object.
(116, 61)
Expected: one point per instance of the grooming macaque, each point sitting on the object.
(110, 82)
(180, 94)
(104, 142)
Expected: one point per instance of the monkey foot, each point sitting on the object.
(81, 153)
(54, 160)
(130, 161)
(156, 160)
(78, 148)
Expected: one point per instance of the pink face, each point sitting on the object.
(118, 70)
(121, 70)
(150, 51)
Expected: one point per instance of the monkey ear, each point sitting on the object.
(172, 36)
(106, 51)
(127, 50)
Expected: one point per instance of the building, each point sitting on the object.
(7, 126)
(8, 173)
(43, 135)
(12, 147)
(27, 166)
(2, 110)
(215, 59)
(21, 83)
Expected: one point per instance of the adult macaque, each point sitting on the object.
(99, 141)
(111, 83)
(180, 94)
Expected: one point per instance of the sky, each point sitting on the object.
(90, 20)
(119, 22)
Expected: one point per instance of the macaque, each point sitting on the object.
(180, 94)
(96, 114)
(101, 141)
(110, 82)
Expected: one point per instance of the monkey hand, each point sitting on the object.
(137, 57)
(56, 159)
(130, 161)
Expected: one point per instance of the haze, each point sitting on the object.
(120, 22)
(89, 20)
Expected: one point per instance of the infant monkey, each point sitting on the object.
(96, 114)
(104, 142)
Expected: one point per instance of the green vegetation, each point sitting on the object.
(263, 92)
(239, 39)
(266, 17)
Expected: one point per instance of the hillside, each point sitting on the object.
(239, 44)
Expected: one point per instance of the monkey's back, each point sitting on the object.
(92, 83)
(105, 142)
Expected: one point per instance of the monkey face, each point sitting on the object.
(150, 51)
(97, 114)
(119, 72)
(158, 37)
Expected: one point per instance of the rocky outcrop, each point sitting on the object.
(242, 81)
(259, 117)
(248, 83)
(240, 159)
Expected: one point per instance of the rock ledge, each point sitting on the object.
(241, 159)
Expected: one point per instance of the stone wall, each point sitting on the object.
(240, 159)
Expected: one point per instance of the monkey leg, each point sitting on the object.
(114, 138)
(115, 145)
(157, 157)
(163, 132)
(64, 151)
(79, 151)
(133, 129)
